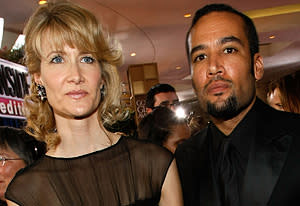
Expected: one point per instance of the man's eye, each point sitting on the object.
(57, 60)
(87, 59)
(164, 104)
(199, 57)
(229, 50)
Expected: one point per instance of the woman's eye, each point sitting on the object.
(199, 57)
(57, 60)
(87, 59)
(229, 50)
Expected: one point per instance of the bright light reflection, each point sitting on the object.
(41, 2)
(180, 112)
(19, 42)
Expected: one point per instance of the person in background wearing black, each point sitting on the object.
(249, 153)
(163, 95)
(164, 128)
(17, 150)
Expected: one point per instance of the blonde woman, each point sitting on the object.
(74, 94)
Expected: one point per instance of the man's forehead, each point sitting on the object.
(218, 21)
(166, 96)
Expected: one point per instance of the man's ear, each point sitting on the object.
(37, 78)
(258, 66)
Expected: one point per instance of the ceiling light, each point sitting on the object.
(188, 15)
(286, 9)
(133, 54)
(178, 67)
(272, 37)
(42, 2)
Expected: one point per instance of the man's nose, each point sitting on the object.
(215, 66)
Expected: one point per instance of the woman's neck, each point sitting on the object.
(79, 137)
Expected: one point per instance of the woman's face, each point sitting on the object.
(274, 100)
(180, 132)
(9, 169)
(72, 79)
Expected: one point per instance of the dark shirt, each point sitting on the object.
(241, 138)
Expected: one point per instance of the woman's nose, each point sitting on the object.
(75, 73)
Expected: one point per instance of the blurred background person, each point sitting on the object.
(284, 94)
(75, 96)
(161, 95)
(164, 128)
(17, 150)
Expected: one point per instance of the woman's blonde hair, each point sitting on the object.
(67, 23)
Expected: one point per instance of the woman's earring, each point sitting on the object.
(41, 92)
(102, 91)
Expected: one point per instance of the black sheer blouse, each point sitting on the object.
(131, 172)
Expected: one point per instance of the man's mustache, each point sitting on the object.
(216, 78)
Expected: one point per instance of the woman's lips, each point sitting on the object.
(78, 94)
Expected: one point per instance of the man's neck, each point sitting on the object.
(227, 126)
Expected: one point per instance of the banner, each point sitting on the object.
(14, 85)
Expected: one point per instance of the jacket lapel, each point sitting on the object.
(264, 167)
(267, 156)
(199, 183)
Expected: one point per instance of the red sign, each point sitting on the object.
(14, 85)
(12, 108)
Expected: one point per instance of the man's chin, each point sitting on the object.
(223, 109)
(219, 101)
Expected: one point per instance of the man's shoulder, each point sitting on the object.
(281, 118)
(274, 122)
(290, 121)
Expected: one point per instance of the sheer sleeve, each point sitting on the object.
(151, 163)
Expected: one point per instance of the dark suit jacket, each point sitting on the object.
(273, 171)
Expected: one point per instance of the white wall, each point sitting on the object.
(9, 39)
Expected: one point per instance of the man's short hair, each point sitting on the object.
(249, 26)
(156, 89)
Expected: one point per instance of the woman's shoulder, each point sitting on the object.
(26, 177)
(147, 152)
(148, 157)
(28, 171)
(146, 146)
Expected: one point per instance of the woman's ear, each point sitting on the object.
(258, 66)
(37, 78)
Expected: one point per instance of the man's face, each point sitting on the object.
(222, 71)
(9, 169)
(167, 99)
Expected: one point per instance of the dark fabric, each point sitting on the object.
(230, 157)
(228, 172)
(271, 172)
(130, 172)
(3, 203)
